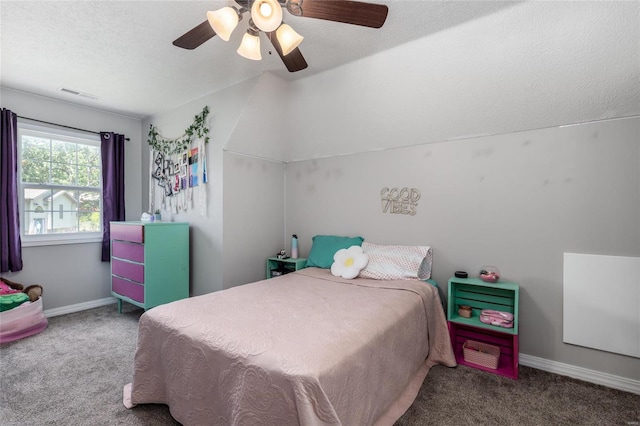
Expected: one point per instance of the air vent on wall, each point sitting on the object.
(78, 93)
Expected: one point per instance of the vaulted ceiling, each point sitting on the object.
(119, 57)
(121, 52)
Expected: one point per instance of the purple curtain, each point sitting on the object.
(112, 148)
(10, 244)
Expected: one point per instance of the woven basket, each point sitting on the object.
(481, 354)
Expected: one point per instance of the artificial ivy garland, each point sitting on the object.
(174, 146)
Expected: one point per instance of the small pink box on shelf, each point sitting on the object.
(490, 274)
(481, 354)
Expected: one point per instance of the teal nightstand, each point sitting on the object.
(277, 266)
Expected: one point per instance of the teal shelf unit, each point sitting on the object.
(285, 265)
(501, 296)
(149, 262)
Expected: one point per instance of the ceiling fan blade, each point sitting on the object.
(195, 37)
(294, 61)
(349, 12)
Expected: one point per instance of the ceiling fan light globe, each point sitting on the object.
(223, 21)
(250, 47)
(266, 14)
(265, 9)
(288, 38)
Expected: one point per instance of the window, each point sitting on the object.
(60, 174)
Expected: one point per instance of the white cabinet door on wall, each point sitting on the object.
(601, 297)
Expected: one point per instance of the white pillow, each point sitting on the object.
(347, 263)
(393, 262)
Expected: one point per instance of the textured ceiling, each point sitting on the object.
(121, 53)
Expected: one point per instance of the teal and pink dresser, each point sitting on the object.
(149, 262)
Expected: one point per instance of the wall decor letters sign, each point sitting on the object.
(399, 200)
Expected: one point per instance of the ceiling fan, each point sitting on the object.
(266, 17)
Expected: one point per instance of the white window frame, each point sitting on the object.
(30, 240)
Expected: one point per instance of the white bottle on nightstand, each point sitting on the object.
(294, 246)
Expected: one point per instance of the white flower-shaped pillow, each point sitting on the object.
(347, 263)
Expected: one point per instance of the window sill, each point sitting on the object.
(57, 241)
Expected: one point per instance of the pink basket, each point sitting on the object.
(481, 354)
(22, 321)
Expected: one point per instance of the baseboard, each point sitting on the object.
(580, 373)
(79, 307)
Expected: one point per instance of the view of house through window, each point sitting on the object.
(60, 183)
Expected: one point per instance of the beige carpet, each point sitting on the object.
(73, 372)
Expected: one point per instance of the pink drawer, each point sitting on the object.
(133, 233)
(124, 269)
(129, 251)
(128, 289)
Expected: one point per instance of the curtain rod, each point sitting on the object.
(62, 125)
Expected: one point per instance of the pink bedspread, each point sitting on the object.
(305, 348)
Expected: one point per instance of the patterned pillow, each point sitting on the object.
(397, 262)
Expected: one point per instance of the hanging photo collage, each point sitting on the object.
(176, 173)
(178, 166)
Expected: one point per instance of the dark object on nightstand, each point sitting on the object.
(461, 274)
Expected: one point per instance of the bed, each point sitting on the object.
(305, 348)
